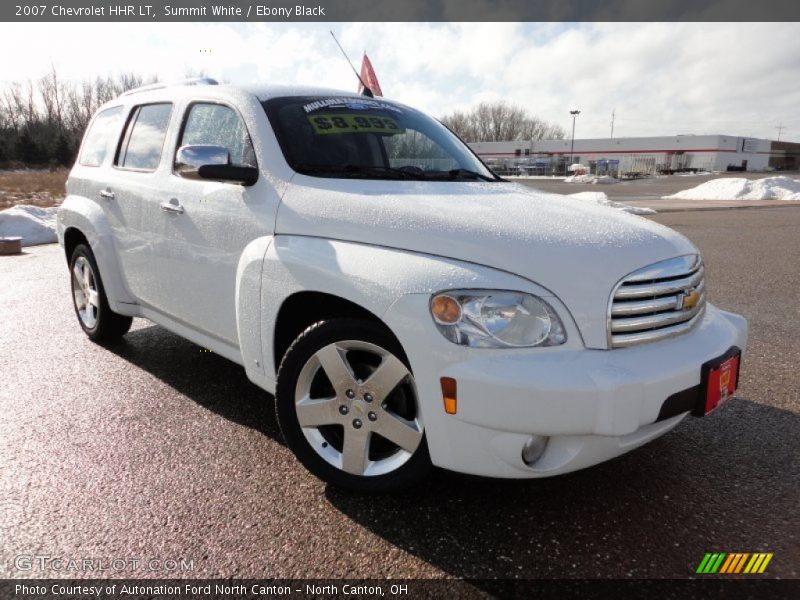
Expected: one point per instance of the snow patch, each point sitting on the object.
(554, 177)
(739, 188)
(606, 179)
(601, 199)
(590, 179)
(33, 224)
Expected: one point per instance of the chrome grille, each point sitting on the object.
(657, 302)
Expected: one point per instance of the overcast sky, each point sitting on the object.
(662, 78)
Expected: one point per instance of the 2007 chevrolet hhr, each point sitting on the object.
(406, 307)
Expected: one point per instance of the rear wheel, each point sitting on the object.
(89, 299)
(348, 407)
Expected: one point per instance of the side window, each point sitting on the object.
(103, 129)
(144, 137)
(218, 125)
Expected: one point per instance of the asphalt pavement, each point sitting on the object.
(153, 449)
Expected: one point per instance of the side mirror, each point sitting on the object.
(191, 158)
(212, 163)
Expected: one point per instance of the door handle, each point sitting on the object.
(173, 206)
(107, 194)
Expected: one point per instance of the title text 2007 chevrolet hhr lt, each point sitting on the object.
(406, 307)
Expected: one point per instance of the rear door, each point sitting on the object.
(214, 222)
(88, 175)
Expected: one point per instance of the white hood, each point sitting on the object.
(577, 251)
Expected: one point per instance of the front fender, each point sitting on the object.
(87, 217)
(373, 277)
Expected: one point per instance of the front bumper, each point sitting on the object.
(592, 404)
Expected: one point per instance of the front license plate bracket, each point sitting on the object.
(719, 379)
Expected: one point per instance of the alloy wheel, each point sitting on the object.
(84, 292)
(357, 406)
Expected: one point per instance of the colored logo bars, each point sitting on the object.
(737, 562)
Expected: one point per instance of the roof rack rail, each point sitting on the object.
(159, 86)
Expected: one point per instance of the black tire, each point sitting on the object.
(307, 344)
(109, 325)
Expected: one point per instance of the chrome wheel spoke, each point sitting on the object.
(313, 413)
(87, 272)
(91, 316)
(332, 360)
(93, 298)
(77, 274)
(406, 434)
(387, 377)
(355, 450)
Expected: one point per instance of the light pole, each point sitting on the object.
(574, 114)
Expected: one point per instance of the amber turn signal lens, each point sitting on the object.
(445, 310)
(449, 395)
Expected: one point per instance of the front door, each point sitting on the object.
(207, 225)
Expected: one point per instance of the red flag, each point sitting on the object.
(369, 77)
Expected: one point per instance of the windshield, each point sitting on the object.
(365, 138)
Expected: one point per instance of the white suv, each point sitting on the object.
(407, 307)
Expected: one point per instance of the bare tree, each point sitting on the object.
(461, 123)
(500, 122)
(53, 92)
(16, 105)
(81, 105)
(11, 106)
(43, 122)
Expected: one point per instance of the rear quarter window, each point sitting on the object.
(103, 130)
(143, 141)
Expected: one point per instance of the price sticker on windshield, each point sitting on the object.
(348, 123)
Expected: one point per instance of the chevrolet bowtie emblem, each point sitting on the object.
(688, 299)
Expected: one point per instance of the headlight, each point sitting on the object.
(496, 319)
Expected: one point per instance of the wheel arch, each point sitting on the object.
(302, 309)
(81, 220)
(72, 238)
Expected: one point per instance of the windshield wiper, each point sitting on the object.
(467, 173)
(453, 174)
(373, 171)
(381, 172)
(400, 173)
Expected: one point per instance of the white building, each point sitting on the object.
(632, 156)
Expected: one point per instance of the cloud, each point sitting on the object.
(662, 78)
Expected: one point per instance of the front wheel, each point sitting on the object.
(348, 407)
(96, 318)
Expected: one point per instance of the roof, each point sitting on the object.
(265, 92)
(210, 89)
(262, 92)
